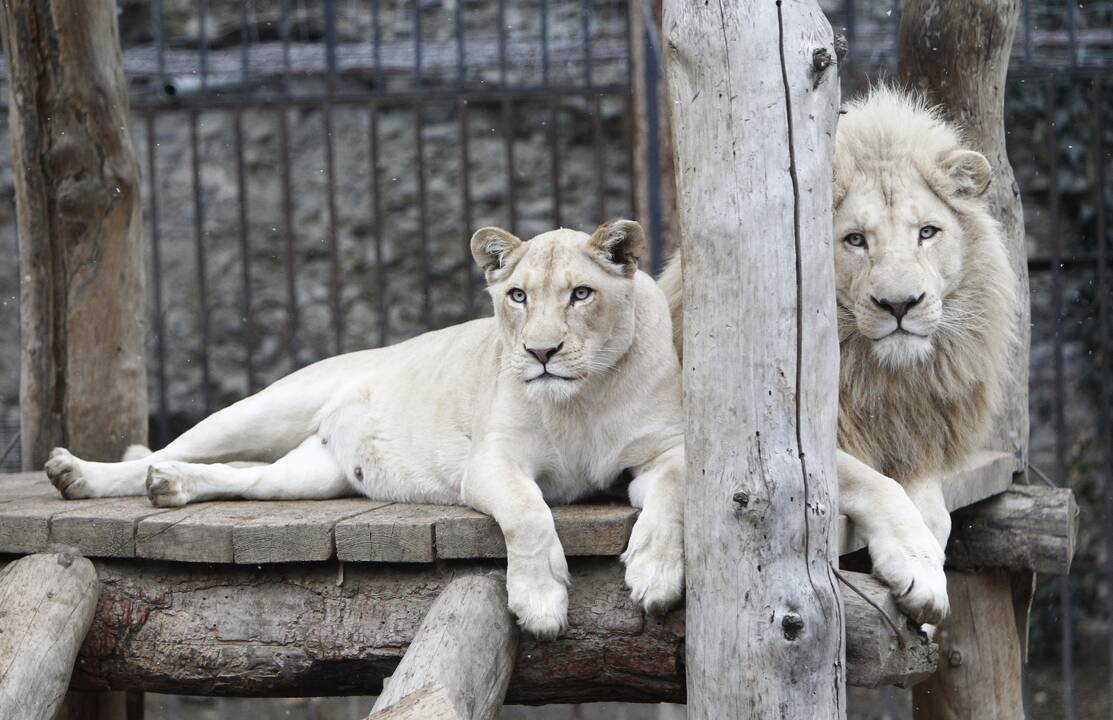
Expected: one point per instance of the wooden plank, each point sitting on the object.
(880, 653)
(430, 702)
(185, 535)
(47, 603)
(985, 473)
(104, 528)
(466, 644)
(395, 533)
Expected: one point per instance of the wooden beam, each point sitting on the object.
(755, 92)
(83, 311)
(46, 607)
(465, 649)
(1028, 528)
(326, 629)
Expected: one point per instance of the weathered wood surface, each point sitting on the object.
(46, 607)
(879, 654)
(82, 301)
(430, 702)
(33, 518)
(1028, 528)
(320, 629)
(466, 646)
(754, 120)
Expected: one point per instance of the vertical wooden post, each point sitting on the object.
(83, 307)
(957, 53)
(754, 93)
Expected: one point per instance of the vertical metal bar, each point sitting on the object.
(418, 44)
(461, 54)
(894, 14)
(585, 29)
(292, 314)
(284, 36)
(330, 46)
(330, 180)
(501, 19)
(377, 44)
(600, 148)
(199, 248)
(203, 42)
(507, 124)
(156, 276)
(1060, 381)
(628, 116)
(1072, 32)
(160, 41)
(377, 225)
(1105, 347)
(1028, 33)
(245, 47)
(465, 164)
(422, 218)
(245, 253)
(554, 160)
(545, 42)
(851, 19)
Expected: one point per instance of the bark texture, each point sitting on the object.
(754, 94)
(46, 606)
(82, 297)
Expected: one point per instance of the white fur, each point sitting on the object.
(450, 417)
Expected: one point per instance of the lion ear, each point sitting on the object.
(621, 242)
(968, 170)
(490, 246)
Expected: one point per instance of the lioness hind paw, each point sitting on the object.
(65, 473)
(165, 487)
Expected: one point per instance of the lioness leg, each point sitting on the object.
(654, 557)
(905, 554)
(536, 570)
(262, 427)
(927, 496)
(309, 472)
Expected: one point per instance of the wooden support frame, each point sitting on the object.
(754, 94)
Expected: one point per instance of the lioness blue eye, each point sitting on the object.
(581, 293)
(927, 232)
(517, 295)
(855, 240)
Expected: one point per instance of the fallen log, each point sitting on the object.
(46, 607)
(1027, 528)
(463, 654)
(340, 629)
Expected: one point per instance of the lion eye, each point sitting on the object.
(581, 293)
(927, 232)
(517, 295)
(855, 240)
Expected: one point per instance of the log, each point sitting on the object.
(957, 52)
(316, 629)
(1028, 528)
(430, 702)
(82, 300)
(464, 652)
(46, 607)
(754, 90)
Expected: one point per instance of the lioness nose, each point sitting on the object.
(898, 309)
(544, 354)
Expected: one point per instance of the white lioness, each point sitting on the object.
(571, 383)
(926, 301)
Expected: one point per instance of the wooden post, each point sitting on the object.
(957, 53)
(83, 307)
(754, 91)
(47, 604)
(459, 663)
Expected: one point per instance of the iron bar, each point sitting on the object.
(199, 255)
(156, 284)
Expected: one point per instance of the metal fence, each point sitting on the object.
(312, 171)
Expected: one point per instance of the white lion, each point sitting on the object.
(926, 302)
(572, 382)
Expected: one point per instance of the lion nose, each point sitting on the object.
(898, 309)
(544, 354)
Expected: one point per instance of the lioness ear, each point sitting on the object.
(620, 242)
(490, 247)
(968, 170)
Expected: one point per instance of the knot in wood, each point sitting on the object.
(954, 658)
(742, 498)
(792, 625)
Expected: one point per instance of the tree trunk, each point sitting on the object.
(464, 649)
(754, 92)
(957, 53)
(82, 297)
(46, 607)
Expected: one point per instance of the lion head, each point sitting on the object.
(926, 295)
(563, 301)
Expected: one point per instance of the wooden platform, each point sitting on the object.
(33, 518)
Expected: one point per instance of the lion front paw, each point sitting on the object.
(537, 594)
(67, 474)
(167, 485)
(654, 561)
(912, 566)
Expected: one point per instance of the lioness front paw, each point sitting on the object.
(537, 594)
(912, 566)
(167, 485)
(654, 561)
(67, 475)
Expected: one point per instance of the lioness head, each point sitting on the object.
(909, 216)
(564, 301)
